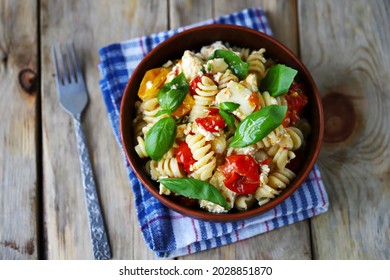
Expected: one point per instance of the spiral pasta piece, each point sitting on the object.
(265, 193)
(281, 100)
(280, 179)
(281, 156)
(166, 167)
(226, 78)
(243, 53)
(272, 138)
(281, 152)
(206, 89)
(149, 109)
(244, 202)
(266, 99)
(219, 144)
(203, 154)
(296, 137)
(140, 148)
(256, 62)
(205, 94)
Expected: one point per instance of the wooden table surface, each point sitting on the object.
(345, 45)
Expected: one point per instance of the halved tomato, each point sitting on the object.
(241, 174)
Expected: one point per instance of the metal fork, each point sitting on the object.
(73, 98)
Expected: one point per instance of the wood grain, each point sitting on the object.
(281, 15)
(92, 24)
(18, 132)
(185, 12)
(346, 49)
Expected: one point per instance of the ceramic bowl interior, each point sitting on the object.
(194, 39)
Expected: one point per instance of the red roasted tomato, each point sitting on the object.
(184, 156)
(296, 101)
(213, 122)
(241, 174)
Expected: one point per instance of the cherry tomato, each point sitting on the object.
(241, 174)
(194, 82)
(213, 111)
(296, 101)
(151, 83)
(185, 108)
(213, 122)
(184, 156)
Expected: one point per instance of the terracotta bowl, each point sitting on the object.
(194, 39)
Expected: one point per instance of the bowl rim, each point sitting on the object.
(237, 216)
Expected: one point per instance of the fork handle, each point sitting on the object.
(100, 246)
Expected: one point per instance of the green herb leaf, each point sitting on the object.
(172, 94)
(160, 138)
(227, 117)
(194, 188)
(209, 67)
(236, 65)
(258, 125)
(229, 106)
(162, 112)
(278, 80)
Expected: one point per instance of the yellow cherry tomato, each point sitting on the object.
(185, 107)
(151, 83)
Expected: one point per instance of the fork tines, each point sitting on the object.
(68, 71)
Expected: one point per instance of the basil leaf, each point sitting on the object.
(227, 117)
(258, 125)
(160, 138)
(162, 112)
(278, 80)
(194, 188)
(172, 94)
(236, 65)
(229, 106)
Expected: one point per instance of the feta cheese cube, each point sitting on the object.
(237, 93)
(191, 65)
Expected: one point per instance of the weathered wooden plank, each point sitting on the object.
(91, 24)
(292, 242)
(281, 16)
(345, 46)
(185, 12)
(18, 132)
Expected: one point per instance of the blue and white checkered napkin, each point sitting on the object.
(170, 234)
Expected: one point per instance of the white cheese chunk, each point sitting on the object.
(207, 134)
(208, 51)
(191, 65)
(250, 82)
(216, 65)
(237, 93)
